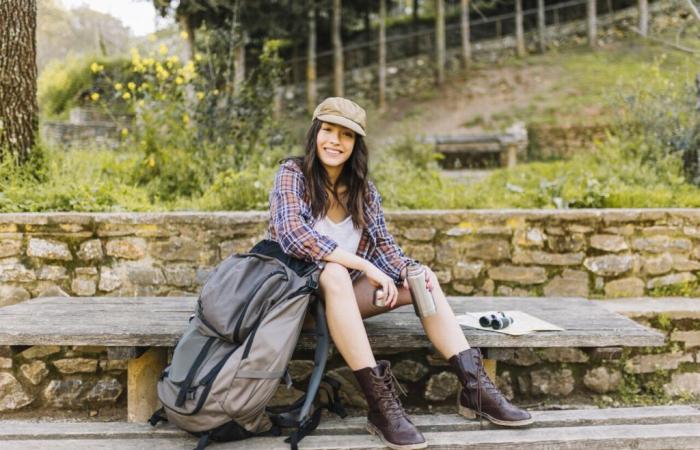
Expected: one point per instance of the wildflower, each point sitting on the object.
(174, 59)
(197, 57)
(118, 86)
(125, 132)
(151, 161)
(186, 119)
(94, 96)
(163, 50)
(184, 35)
(179, 80)
(126, 96)
(131, 85)
(96, 68)
(200, 95)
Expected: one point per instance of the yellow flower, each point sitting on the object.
(216, 92)
(151, 161)
(163, 50)
(94, 96)
(125, 132)
(96, 68)
(174, 59)
(179, 80)
(118, 86)
(126, 96)
(186, 119)
(184, 35)
(197, 57)
(141, 103)
(200, 95)
(131, 85)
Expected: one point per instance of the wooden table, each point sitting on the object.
(140, 329)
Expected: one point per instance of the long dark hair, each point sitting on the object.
(353, 176)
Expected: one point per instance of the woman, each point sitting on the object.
(324, 209)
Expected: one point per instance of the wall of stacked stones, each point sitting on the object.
(589, 253)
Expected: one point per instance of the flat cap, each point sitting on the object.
(342, 111)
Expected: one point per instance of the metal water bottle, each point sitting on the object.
(379, 300)
(423, 302)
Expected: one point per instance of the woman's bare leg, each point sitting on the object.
(442, 328)
(344, 318)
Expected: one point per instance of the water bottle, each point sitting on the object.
(423, 302)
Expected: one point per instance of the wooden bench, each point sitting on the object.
(141, 329)
(463, 151)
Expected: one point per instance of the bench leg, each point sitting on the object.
(490, 368)
(142, 374)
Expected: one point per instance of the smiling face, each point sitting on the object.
(334, 144)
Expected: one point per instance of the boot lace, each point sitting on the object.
(388, 397)
(488, 385)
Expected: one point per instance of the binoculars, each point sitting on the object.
(497, 320)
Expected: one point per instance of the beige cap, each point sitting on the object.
(342, 111)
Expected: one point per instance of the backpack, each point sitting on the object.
(235, 351)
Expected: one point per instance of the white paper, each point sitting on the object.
(523, 323)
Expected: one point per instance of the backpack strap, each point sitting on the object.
(332, 388)
(203, 441)
(305, 428)
(320, 359)
(158, 416)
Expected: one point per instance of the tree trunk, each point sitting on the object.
(18, 72)
(338, 87)
(519, 33)
(466, 44)
(186, 26)
(416, 38)
(382, 54)
(311, 94)
(440, 40)
(643, 17)
(541, 26)
(592, 26)
(239, 64)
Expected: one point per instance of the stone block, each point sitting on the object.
(110, 365)
(420, 234)
(109, 279)
(487, 249)
(34, 372)
(409, 370)
(521, 356)
(83, 287)
(625, 287)
(609, 265)
(564, 354)
(10, 247)
(689, 338)
(49, 249)
(40, 351)
(609, 243)
(662, 244)
(284, 396)
(670, 280)
(11, 295)
(652, 363)
(519, 275)
(504, 382)
(5, 363)
(682, 264)
(552, 383)
(625, 230)
(12, 395)
(300, 369)
(532, 237)
(16, 272)
(582, 229)
(571, 283)
(507, 291)
(64, 393)
(145, 275)
(425, 253)
(127, 248)
(442, 386)
(443, 276)
(177, 249)
(658, 265)
(465, 289)
(488, 287)
(52, 291)
(350, 391)
(76, 365)
(566, 243)
(683, 384)
(91, 250)
(52, 273)
(180, 275)
(467, 270)
(106, 390)
(602, 380)
(85, 271)
(547, 259)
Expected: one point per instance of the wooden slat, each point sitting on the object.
(160, 321)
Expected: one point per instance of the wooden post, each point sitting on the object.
(311, 93)
(382, 54)
(239, 63)
(490, 368)
(519, 32)
(466, 44)
(541, 26)
(440, 40)
(142, 377)
(338, 87)
(643, 17)
(592, 26)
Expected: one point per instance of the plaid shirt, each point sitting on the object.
(291, 224)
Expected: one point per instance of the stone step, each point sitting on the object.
(649, 427)
(673, 307)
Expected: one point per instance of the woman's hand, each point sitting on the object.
(379, 279)
(429, 276)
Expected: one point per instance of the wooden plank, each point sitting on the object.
(160, 321)
(142, 377)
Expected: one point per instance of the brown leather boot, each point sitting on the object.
(386, 417)
(480, 397)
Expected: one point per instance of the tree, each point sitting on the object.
(337, 50)
(592, 26)
(466, 45)
(311, 93)
(18, 72)
(382, 54)
(643, 17)
(541, 26)
(440, 40)
(519, 33)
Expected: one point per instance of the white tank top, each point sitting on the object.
(344, 233)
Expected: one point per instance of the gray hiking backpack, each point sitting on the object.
(235, 351)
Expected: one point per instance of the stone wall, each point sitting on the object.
(593, 253)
